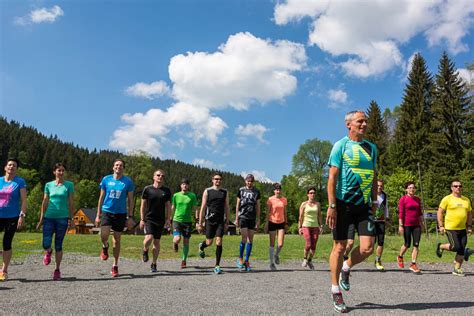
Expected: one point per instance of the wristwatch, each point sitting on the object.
(332, 205)
(22, 214)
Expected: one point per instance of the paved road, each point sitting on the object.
(88, 288)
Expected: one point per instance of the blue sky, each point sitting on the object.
(234, 85)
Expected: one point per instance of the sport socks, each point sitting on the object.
(185, 252)
(218, 255)
(335, 289)
(248, 251)
(271, 250)
(345, 266)
(241, 249)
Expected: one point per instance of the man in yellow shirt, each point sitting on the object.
(457, 225)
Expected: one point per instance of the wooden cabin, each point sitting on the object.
(84, 221)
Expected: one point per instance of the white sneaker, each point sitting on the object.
(304, 264)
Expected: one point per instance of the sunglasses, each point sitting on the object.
(457, 186)
(311, 192)
(217, 179)
(160, 175)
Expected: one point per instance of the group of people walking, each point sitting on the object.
(357, 203)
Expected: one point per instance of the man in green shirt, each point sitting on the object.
(182, 205)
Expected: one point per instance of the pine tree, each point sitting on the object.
(377, 134)
(410, 144)
(450, 118)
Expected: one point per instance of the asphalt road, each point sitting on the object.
(87, 287)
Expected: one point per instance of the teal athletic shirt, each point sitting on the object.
(356, 162)
(58, 206)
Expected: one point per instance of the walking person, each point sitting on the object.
(410, 217)
(310, 226)
(248, 219)
(12, 210)
(57, 211)
(381, 216)
(455, 219)
(276, 224)
(155, 214)
(215, 212)
(182, 206)
(351, 191)
(116, 194)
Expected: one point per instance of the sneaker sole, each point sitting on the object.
(459, 275)
(341, 285)
(342, 311)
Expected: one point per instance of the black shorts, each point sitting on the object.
(409, 232)
(116, 221)
(358, 215)
(214, 230)
(273, 226)
(351, 232)
(182, 229)
(247, 223)
(154, 228)
(380, 233)
(457, 240)
(9, 225)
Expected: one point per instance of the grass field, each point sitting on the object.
(30, 243)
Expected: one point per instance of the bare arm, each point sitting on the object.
(374, 194)
(320, 214)
(23, 207)
(440, 217)
(469, 223)
(71, 209)
(99, 207)
(237, 204)
(168, 212)
(131, 206)
(332, 181)
(203, 206)
(44, 206)
(227, 210)
(257, 222)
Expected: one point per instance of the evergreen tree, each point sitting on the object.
(377, 133)
(450, 118)
(410, 144)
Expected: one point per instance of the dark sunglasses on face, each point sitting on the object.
(217, 179)
(457, 186)
(311, 192)
(160, 175)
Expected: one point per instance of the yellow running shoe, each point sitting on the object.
(3, 276)
(379, 265)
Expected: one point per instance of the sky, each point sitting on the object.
(234, 85)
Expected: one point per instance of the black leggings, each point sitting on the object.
(9, 225)
(457, 241)
(409, 232)
(380, 233)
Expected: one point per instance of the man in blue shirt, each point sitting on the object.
(112, 213)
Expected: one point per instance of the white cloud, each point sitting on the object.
(148, 91)
(466, 75)
(207, 164)
(338, 96)
(252, 130)
(244, 71)
(258, 174)
(369, 33)
(40, 16)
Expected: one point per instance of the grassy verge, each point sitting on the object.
(31, 243)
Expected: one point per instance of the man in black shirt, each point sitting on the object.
(155, 213)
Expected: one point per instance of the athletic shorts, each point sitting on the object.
(380, 233)
(247, 223)
(273, 226)
(153, 228)
(9, 225)
(351, 232)
(182, 229)
(214, 230)
(358, 215)
(457, 240)
(409, 232)
(116, 221)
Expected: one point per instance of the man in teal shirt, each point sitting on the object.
(352, 196)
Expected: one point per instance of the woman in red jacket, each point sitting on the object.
(410, 218)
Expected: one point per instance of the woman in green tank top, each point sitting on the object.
(310, 223)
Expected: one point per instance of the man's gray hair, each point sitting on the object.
(350, 115)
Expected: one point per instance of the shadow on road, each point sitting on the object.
(415, 306)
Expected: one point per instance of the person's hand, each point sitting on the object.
(265, 228)
(257, 225)
(40, 223)
(469, 231)
(400, 230)
(331, 218)
(286, 228)
(442, 230)
(300, 231)
(199, 228)
(142, 224)
(130, 224)
(97, 221)
(21, 221)
(237, 224)
(226, 227)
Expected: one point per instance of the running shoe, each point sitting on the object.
(276, 258)
(344, 280)
(175, 247)
(217, 270)
(414, 268)
(202, 254)
(310, 265)
(240, 263)
(458, 272)
(145, 256)
(183, 264)
(338, 303)
(114, 271)
(247, 266)
(153, 268)
(346, 258)
(439, 252)
(273, 267)
(379, 266)
(304, 264)
(400, 263)
(104, 255)
(56, 275)
(3, 276)
(467, 253)
(47, 257)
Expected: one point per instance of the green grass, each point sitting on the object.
(31, 243)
